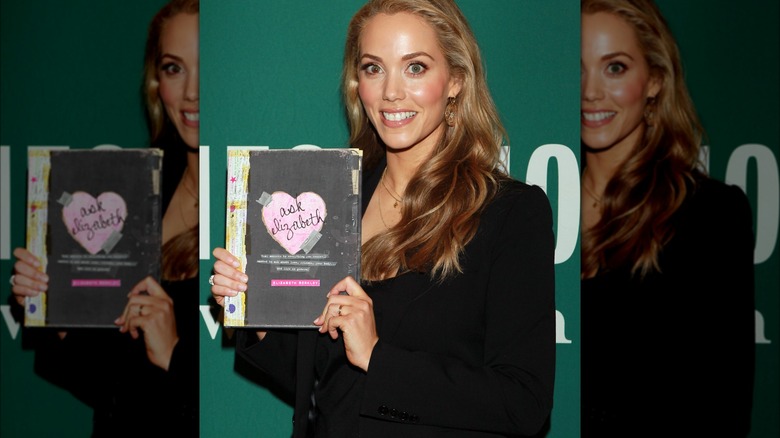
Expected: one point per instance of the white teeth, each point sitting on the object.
(192, 117)
(395, 117)
(597, 117)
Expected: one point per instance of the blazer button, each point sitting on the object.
(414, 418)
(383, 410)
(404, 416)
(393, 413)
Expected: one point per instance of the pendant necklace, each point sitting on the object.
(596, 199)
(396, 197)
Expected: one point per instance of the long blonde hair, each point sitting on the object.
(180, 253)
(641, 199)
(443, 200)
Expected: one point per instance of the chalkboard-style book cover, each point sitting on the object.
(293, 219)
(94, 221)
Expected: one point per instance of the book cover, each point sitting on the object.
(293, 220)
(94, 221)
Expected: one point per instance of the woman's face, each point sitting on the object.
(178, 75)
(404, 81)
(616, 82)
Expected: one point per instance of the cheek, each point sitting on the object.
(629, 94)
(367, 92)
(168, 93)
(429, 93)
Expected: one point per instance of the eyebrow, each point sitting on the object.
(405, 57)
(168, 55)
(613, 55)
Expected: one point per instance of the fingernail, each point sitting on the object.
(242, 287)
(245, 278)
(116, 321)
(316, 321)
(235, 263)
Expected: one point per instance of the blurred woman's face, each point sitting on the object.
(178, 75)
(616, 83)
(404, 81)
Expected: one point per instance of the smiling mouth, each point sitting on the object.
(598, 116)
(191, 117)
(397, 117)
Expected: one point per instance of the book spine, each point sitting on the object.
(39, 167)
(236, 223)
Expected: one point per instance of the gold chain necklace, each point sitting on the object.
(181, 206)
(189, 190)
(381, 216)
(596, 199)
(397, 199)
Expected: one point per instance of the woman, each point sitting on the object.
(145, 387)
(450, 330)
(667, 253)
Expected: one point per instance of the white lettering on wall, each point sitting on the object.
(768, 193)
(568, 202)
(760, 336)
(13, 326)
(560, 329)
(211, 323)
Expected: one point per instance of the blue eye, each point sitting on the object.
(417, 68)
(171, 68)
(616, 68)
(371, 69)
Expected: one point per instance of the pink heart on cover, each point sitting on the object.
(91, 222)
(292, 221)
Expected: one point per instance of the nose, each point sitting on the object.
(591, 87)
(192, 86)
(393, 87)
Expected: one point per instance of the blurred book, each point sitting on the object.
(94, 221)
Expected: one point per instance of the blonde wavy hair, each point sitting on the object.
(444, 199)
(641, 199)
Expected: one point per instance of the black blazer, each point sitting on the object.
(473, 356)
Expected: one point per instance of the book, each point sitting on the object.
(94, 222)
(293, 221)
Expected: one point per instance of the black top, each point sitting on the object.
(471, 357)
(673, 354)
(111, 373)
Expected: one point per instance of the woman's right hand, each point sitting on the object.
(29, 280)
(228, 280)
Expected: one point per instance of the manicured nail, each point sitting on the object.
(235, 263)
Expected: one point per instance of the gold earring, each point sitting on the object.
(649, 113)
(450, 112)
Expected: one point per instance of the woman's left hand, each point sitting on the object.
(150, 309)
(353, 314)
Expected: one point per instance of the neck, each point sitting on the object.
(192, 171)
(400, 170)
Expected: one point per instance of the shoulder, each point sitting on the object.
(715, 200)
(514, 194)
(715, 213)
(517, 203)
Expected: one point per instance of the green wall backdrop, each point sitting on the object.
(270, 77)
(70, 75)
(730, 52)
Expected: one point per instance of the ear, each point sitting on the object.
(654, 87)
(455, 85)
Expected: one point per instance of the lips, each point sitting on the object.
(593, 119)
(191, 118)
(395, 119)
